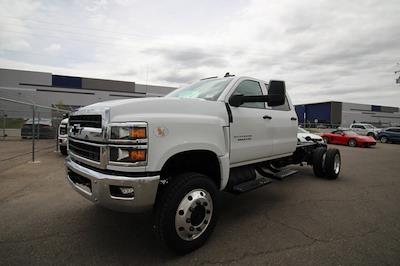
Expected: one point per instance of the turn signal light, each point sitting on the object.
(137, 155)
(137, 133)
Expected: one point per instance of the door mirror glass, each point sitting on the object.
(276, 93)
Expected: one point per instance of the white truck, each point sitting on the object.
(63, 136)
(177, 153)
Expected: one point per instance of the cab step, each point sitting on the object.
(283, 174)
(250, 185)
(277, 175)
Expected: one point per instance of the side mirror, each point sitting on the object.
(236, 100)
(276, 93)
(276, 96)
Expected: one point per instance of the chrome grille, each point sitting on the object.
(93, 121)
(85, 150)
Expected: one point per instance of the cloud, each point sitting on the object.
(325, 50)
(54, 48)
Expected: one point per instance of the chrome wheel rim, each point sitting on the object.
(336, 164)
(383, 139)
(193, 214)
(352, 143)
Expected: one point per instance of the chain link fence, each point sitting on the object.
(26, 129)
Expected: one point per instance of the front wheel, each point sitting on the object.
(186, 212)
(63, 150)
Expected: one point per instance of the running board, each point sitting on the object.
(282, 174)
(250, 185)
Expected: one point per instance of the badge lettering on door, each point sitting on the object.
(243, 137)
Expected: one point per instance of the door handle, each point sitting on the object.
(267, 117)
(293, 118)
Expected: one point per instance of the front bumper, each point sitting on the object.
(97, 187)
(62, 140)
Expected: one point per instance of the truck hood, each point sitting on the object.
(144, 109)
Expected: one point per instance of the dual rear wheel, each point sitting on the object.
(326, 163)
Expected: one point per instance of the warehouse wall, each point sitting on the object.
(387, 116)
(47, 89)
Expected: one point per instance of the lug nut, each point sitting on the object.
(181, 212)
(190, 198)
(191, 228)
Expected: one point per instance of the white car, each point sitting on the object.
(365, 129)
(305, 136)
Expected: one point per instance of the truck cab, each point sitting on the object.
(175, 154)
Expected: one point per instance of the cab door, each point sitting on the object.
(250, 131)
(284, 126)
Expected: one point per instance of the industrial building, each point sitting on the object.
(343, 114)
(66, 92)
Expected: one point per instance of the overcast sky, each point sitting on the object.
(325, 50)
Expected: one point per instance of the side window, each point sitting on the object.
(250, 88)
(283, 107)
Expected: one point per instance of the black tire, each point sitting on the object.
(352, 143)
(166, 210)
(318, 159)
(63, 150)
(384, 139)
(326, 140)
(332, 163)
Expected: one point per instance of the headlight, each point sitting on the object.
(128, 144)
(128, 132)
(128, 154)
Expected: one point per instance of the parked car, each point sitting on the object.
(62, 136)
(43, 129)
(365, 129)
(305, 136)
(348, 137)
(390, 134)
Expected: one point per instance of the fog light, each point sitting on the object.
(126, 190)
(122, 192)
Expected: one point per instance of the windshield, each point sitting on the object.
(209, 89)
(349, 132)
(300, 130)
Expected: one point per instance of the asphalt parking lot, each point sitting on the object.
(302, 220)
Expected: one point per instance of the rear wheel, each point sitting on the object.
(318, 161)
(352, 143)
(384, 139)
(186, 212)
(332, 164)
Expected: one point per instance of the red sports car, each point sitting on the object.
(348, 137)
